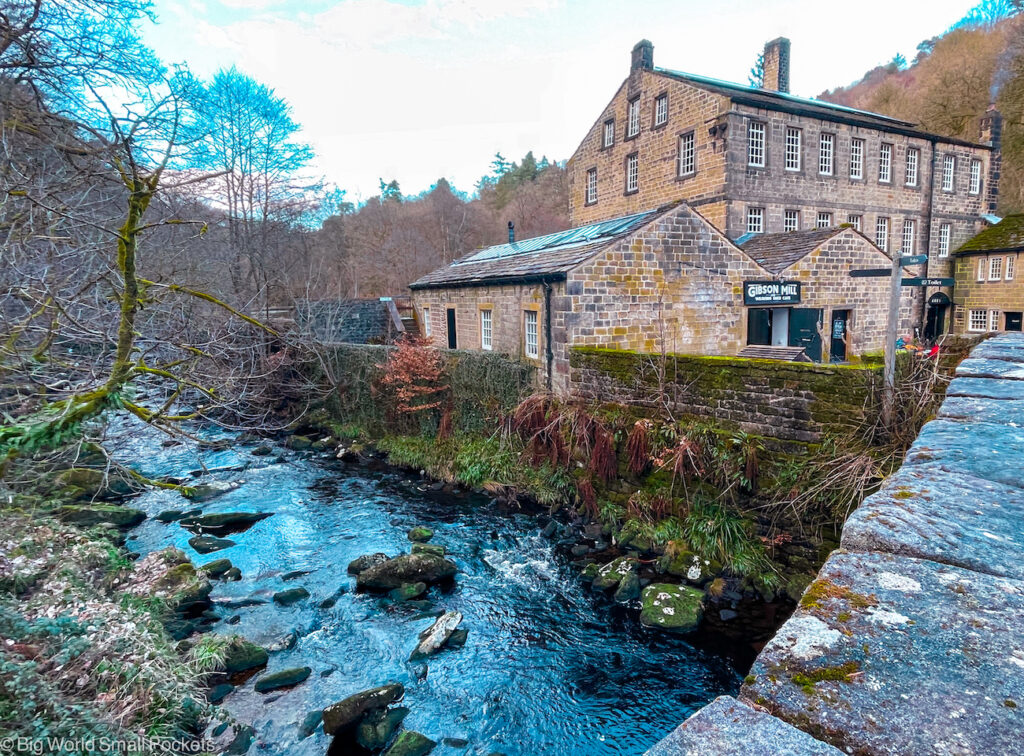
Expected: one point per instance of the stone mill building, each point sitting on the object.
(722, 219)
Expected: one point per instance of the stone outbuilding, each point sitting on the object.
(989, 292)
(663, 280)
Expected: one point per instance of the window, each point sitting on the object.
(825, 150)
(995, 268)
(978, 320)
(793, 137)
(948, 166)
(885, 163)
(486, 331)
(975, 177)
(592, 186)
(913, 157)
(882, 234)
(426, 322)
(755, 220)
(661, 110)
(791, 220)
(633, 120)
(530, 334)
(755, 144)
(993, 320)
(687, 155)
(909, 236)
(982, 269)
(609, 133)
(857, 159)
(632, 173)
(944, 231)
(824, 220)
(855, 221)
(1010, 265)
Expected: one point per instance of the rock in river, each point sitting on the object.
(420, 534)
(408, 591)
(223, 523)
(428, 548)
(87, 516)
(346, 713)
(435, 636)
(676, 608)
(407, 568)
(365, 562)
(216, 568)
(284, 679)
(211, 490)
(378, 727)
(242, 655)
(209, 544)
(411, 743)
(290, 596)
(611, 574)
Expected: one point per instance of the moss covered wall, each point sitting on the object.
(793, 403)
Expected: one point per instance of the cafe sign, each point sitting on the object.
(771, 292)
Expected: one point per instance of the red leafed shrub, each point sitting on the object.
(638, 447)
(414, 372)
(602, 455)
(585, 490)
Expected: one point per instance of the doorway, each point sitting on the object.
(453, 341)
(837, 341)
(1013, 321)
(803, 331)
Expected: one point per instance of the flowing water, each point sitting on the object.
(549, 669)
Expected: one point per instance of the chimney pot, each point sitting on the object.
(643, 56)
(776, 65)
(511, 232)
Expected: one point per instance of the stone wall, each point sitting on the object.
(972, 294)
(911, 640)
(792, 403)
(353, 321)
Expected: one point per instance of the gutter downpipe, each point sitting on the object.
(922, 318)
(549, 354)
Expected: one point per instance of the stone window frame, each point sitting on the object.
(605, 133)
(1011, 264)
(908, 236)
(658, 99)
(977, 321)
(883, 227)
(949, 172)
(426, 321)
(680, 173)
(824, 215)
(855, 221)
(982, 275)
(788, 215)
(916, 182)
(533, 310)
(945, 234)
(975, 180)
(798, 144)
(488, 310)
(827, 158)
(633, 157)
(630, 120)
(755, 216)
(857, 149)
(589, 200)
(761, 148)
(885, 163)
(995, 268)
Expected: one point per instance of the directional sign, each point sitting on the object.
(927, 282)
(913, 259)
(871, 273)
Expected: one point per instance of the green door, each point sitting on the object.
(803, 331)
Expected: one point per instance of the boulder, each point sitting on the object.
(290, 596)
(294, 574)
(87, 484)
(407, 568)
(244, 735)
(233, 574)
(182, 588)
(211, 490)
(435, 636)
(263, 450)
(286, 678)
(408, 591)
(379, 727)
(411, 743)
(365, 562)
(170, 515)
(217, 568)
(675, 608)
(209, 544)
(223, 523)
(309, 723)
(420, 534)
(611, 574)
(218, 693)
(457, 639)
(629, 588)
(349, 711)
(242, 655)
(96, 514)
(299, 443)
(428, 548)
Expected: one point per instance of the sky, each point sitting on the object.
(415, 90)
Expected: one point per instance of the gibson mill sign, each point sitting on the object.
(771, 292)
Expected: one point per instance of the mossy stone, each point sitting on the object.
(242, 655)
(428, 548)
(408, 591)
(286, 678)
(217, 568)
(675, 608)
(411, 743)
(420, 534)
(378, 727)
(299, 443)
(611, 574)
(209, 544)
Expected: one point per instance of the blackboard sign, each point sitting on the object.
(771, 292)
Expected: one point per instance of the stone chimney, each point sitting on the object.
(991, 133)
(643, 56)
(776, 65)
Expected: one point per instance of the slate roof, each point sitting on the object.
(788, 103)
(1005, 236)
(546, 257)
(776, 252)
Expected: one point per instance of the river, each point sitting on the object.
(549, 669)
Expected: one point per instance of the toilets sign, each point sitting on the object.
(771, 292)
